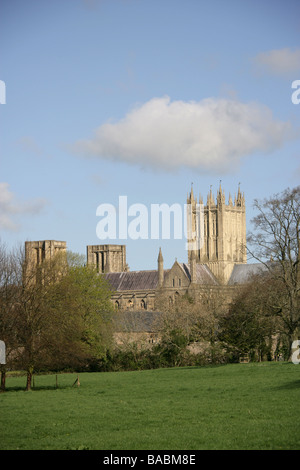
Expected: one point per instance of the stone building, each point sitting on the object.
(107, 258)
(223, 241)
(38, 252)
(217, 257)
(216, 261)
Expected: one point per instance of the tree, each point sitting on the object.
(248, 326)
(8, 282)
(34, 319)
(275, 242)
(59, 314)
(191, 320)
(89, 299)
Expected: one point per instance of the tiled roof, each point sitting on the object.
(148, 280)
(242, 272)
(135, 280)
(203, 273)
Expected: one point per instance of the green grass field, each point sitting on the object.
(236, 406)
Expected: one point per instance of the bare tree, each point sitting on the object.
(275, 242)
(193, 321)
(9, 278)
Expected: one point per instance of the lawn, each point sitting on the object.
(235, 406)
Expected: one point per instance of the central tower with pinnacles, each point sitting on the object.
(223, 241)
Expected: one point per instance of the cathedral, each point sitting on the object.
(216, 261)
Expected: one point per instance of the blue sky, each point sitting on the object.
(141, 98)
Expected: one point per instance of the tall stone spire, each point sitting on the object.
(160, 268)
(192, 193)
(210, 198)
(220, 196)
(240, 198)
(193, 268)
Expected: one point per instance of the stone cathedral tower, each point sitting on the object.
(107, 258)
(38, 252)
(217, 232)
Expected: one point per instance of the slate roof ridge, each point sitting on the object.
(243, 271)
(186, 269)
(209, 273)
(200, 267)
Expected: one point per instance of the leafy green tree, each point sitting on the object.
(86, 295)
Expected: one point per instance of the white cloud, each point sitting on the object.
(10, 208)
(209, 135)
(279, 61)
